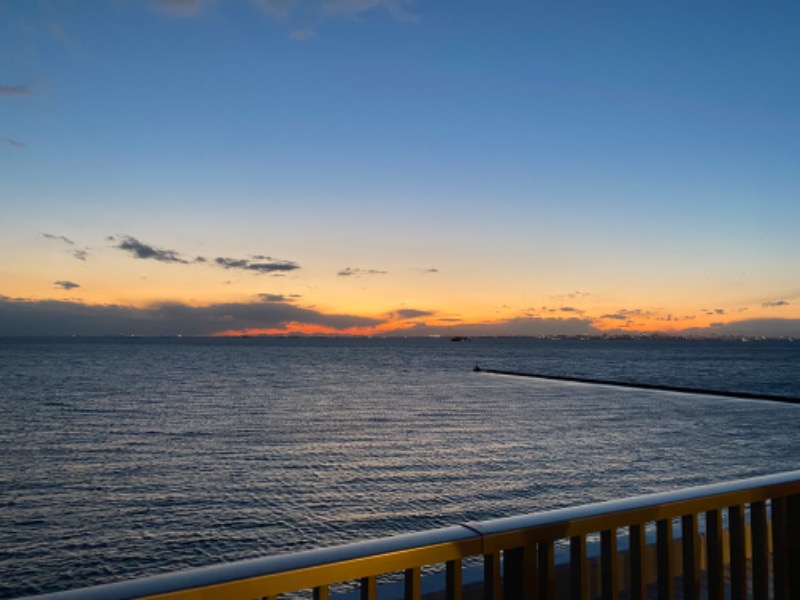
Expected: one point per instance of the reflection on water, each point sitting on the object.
(129, 457)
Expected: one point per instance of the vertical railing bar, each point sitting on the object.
(666, 575)
(716, 585)
(638, 560)
(547, 570)
(691, 557)
(608, 564)
(738, 564)
(369, 588)
(578, 569)
(491, 576)
(321, 592)
(453, 581)
(413, 583)
(530, 569)
(780, 549)
(513, 573)
(793, 543)
(758, 526)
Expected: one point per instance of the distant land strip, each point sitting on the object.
(647, 386)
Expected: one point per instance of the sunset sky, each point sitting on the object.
(423, 167)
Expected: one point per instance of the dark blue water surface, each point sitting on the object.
(126, 457)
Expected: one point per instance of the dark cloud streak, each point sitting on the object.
(350, 272)
(15, 90)
(272, 266)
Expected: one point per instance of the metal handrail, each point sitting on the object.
(526, 544)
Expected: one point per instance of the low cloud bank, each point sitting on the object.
(523, 326)
(20, 317)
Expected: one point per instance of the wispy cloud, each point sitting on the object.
(775, 304)
(182, 8)
(146, 252)
(350, 272)
(277, 8)
(301, 18)
(255, 264)
(15, 90)
(410, 313)
(66, 285)
(80, 254)
(278, 297)
(399, 9)
(577, 294)
(625, 314)
(260, 264)
(60, 238)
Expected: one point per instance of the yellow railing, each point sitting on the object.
(737, 539)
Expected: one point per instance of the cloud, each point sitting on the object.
(410, 313)
(277, 8)
(55, 317)
(278, 297)
(775, 304)
(303, 34)
(66, 285)
(625, 314)
(146, 252)
(348, 272)
(271, 266)
(15, 90)
(775, 328)
(521, 326)
(60, 238)
(573, 295)
(15, 143)
(258, 263)
(80, 254)
(182, 8)
(397, 8)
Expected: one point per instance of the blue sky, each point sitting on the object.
(480, 164)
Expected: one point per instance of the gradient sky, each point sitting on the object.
(375, 166)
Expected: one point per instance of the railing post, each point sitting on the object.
(608, 564)
(691, 557)
(638, 560)
(578, 571)
(738, 567)
(793, 544)
(780, 549)
(666, 575)
(321, 592)
(758, 525)
(369, 588)
(453, 583)
(547, 571)
(520, 573)
(491, 576)
(413, 583)
(716, 586)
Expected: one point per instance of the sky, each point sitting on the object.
(399, 167)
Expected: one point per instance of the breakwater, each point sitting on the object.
(646, 386)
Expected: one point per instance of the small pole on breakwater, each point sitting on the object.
(646, 386)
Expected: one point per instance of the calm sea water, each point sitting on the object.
(126, 457)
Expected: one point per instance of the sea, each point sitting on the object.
(125, 457)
